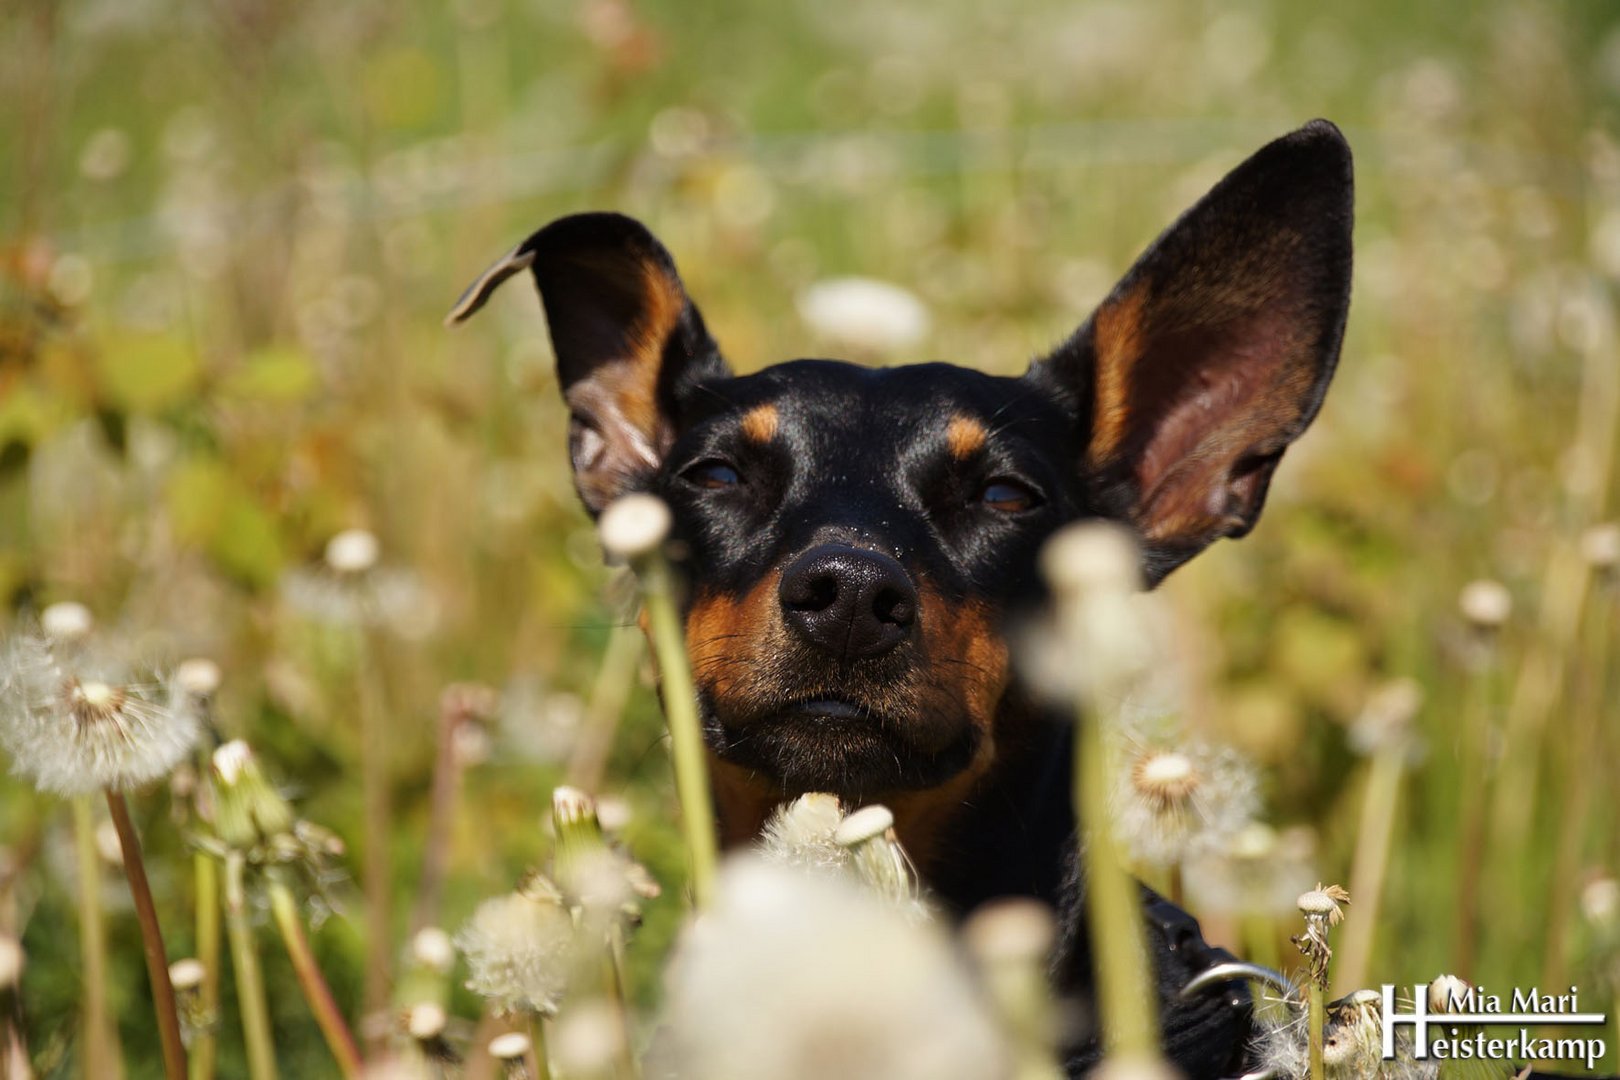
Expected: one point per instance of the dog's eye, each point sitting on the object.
(1008, 496)
(712, 474)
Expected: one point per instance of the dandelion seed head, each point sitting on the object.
(432, 948)
(634, 526)
(75, 724)
(835, 982)
(863, 825)
(509, 1047)
(518, 953)
(187, 974)
(352, 588)
(352, 551)
(1167, 778)
(1174, 802)
(803, 833)
(1323, 902)
(1486, 604)
(67, 622)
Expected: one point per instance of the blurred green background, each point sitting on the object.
(229, 230)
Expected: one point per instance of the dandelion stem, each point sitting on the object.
(1478, 731)
(376, 868)
(441, 816)
(1316, 1020)
(98, 1055)
(261, 1053)
(1372, 860)
(157, 961)
(537, 1035)
(608, 697)
(686, 735)
(1584, 747)
(203, 1046)
(1113, 909)
(284, 909)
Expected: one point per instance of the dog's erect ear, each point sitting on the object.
(627, 338)
(1214, 351)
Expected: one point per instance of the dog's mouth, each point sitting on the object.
(842, 743)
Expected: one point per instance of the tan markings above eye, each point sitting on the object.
(759, 423)
(965, 436)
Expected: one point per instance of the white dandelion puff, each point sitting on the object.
(835, 983)
(863, 313)
(1172, 802)
(801, 833)
(518, 952)
(353, 587)
(1258, 872)
(78, 724)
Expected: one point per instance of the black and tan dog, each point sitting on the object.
(857, 540)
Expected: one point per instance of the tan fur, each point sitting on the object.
(965, 436)
(759, 423)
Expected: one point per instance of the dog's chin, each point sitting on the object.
(843, 747)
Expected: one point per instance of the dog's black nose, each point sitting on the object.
(851, 603)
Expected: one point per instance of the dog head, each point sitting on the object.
(854, 539)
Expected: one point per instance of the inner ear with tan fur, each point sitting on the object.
(1214, 351)
(628, 342)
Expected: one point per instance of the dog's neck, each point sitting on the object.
(1005, 833)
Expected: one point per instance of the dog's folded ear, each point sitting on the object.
(1213, 353)
(628, 342)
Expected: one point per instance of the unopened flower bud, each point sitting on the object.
(247, 809)
(1447, 993)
